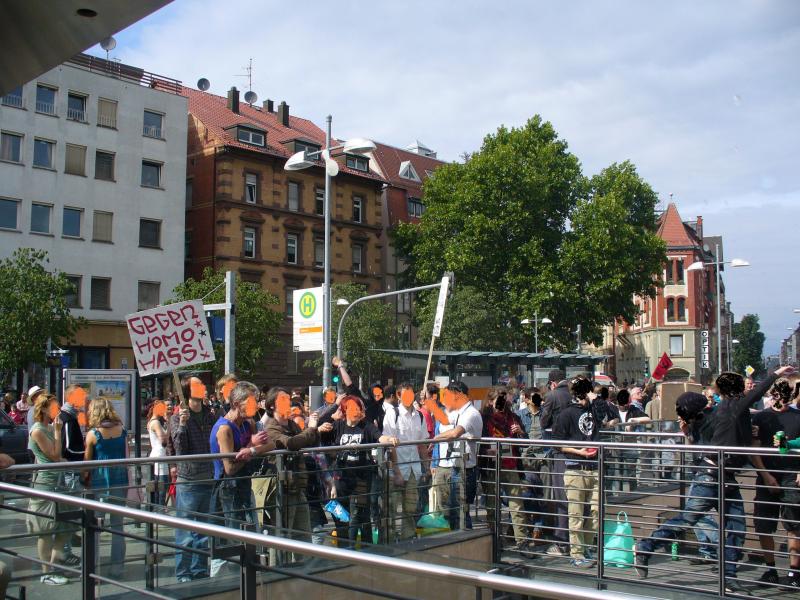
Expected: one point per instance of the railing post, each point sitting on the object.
(601, 509)
(247, 583)
(497, 542)
(721, 512)
(280, 475)
(387, 520)
(461, 465)
(682, 476)
(88, 554)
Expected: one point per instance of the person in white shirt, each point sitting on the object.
(408, 463)
(467, 424)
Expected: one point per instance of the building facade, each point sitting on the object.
(92, 170)
(681, 319)
(245, 213)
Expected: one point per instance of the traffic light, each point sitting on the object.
(336, 379)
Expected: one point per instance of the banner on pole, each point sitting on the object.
(307, 320)
(171, 337)
(437, 320)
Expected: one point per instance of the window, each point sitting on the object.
(319, 253)
(289, 301)
(40, 218)
(106, 113)
(300, 146)
(11, 147)
(415, 207)
(291, 248)
(149, 292)
(149, 233)
(189, 191)
(73, 297)
(101, 293)
(71, 226)
(358, 265)
(407, 171)
(250, 137)
(681, 309)
(294, 196)
(670, 272)
(43, 153)
(670, 309)
(45, 100)
(76, 107)
(249, 242)
(101, 228)
(151, 174)
(250, 188)
(319, 201)
(153, 122)
(359, 163)
(676, 345)
(187, 245)
(8, 213)
(104, 165)
(357, 205)
(75, 160)
(679, 271)
(13, 98)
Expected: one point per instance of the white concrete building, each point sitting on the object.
(93, 170)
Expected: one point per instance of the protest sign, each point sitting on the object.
(171, 337)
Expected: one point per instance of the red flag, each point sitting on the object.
(663, 366)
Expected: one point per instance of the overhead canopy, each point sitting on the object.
(520, 357)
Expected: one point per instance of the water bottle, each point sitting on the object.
(674, 550)
(338, 511)
(783, 446)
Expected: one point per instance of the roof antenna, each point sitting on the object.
(248, 74)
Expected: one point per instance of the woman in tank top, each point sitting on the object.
(157, 429)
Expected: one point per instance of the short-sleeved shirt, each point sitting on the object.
(406, 425)
(769, 423)
(354, 435)
(579, 424)
(470, 419)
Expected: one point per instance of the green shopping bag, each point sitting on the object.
(618, 542)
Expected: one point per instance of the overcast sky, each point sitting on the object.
(704, 97)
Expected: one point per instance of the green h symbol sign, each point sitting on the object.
(308, 304)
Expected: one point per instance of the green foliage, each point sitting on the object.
(33, 309)
(369, 325)
(257, 323)
(750, 347)
(520, 225)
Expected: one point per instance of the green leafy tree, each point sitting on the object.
(751, 345)
(33, 309)
(368, 326)
(521, 225)
(257, 322)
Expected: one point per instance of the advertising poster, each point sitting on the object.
(116, 386)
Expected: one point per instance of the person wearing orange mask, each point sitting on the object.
(287, 435)
(355, 468)
(409, 463)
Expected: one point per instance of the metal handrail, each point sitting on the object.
(454, 575)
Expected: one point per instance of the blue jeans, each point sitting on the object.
(703, 496)
(192, 501)
(118, 496)
(470, 489)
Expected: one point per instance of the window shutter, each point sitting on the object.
(75, 160)
(106, 113)
(102, 226)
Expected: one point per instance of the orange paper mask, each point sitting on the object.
(82, 419)
(53, 409)
(297, 417)
(377, 393)
(228, 388)
(437, 412)
(330, 397)
(407, 397)
(159, 409)
(354, 411)
(197, 389)
(283, 406)
(77, 397)
(250, 406)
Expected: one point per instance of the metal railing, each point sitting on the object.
(76, 114)
(126, 72)
(12, 100)
(47, 108)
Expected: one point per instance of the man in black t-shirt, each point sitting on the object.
(777, 494)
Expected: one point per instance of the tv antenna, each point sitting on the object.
(248, 74)
(108, 45)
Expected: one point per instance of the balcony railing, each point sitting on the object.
(12, 100)
(47, 108)
(107, 121)
(152, 131)
(126, 72)
(76, 114)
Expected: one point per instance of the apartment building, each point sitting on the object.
(93, 170)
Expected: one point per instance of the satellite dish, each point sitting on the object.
(203, 84)
(250, 97)
(108, 44)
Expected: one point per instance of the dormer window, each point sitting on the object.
(302, 146)
(407, 171)
(248, 136)
(357, 162)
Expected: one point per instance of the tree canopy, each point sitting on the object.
(750, 348)
(257, 323)
(33, 309)
(520, 225)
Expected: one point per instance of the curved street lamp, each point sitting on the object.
(536, 321)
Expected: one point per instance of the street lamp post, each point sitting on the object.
(303, 160)
(700, 265)
(536, 321)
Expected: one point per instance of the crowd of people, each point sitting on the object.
(386, 457)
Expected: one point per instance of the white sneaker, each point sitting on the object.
(217, 565)
(53, 579)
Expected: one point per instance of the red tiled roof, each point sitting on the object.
(213, 112)
(674, 231)
(389, 160)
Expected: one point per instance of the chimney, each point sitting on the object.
(268, 105)
(699, 227)
(283, 113)
(233, 100)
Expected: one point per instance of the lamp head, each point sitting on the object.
(525, 322)
(696, 266)
(298, 161)
(738, 262)
(342, 302)
(359, 146)
(546, 321)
